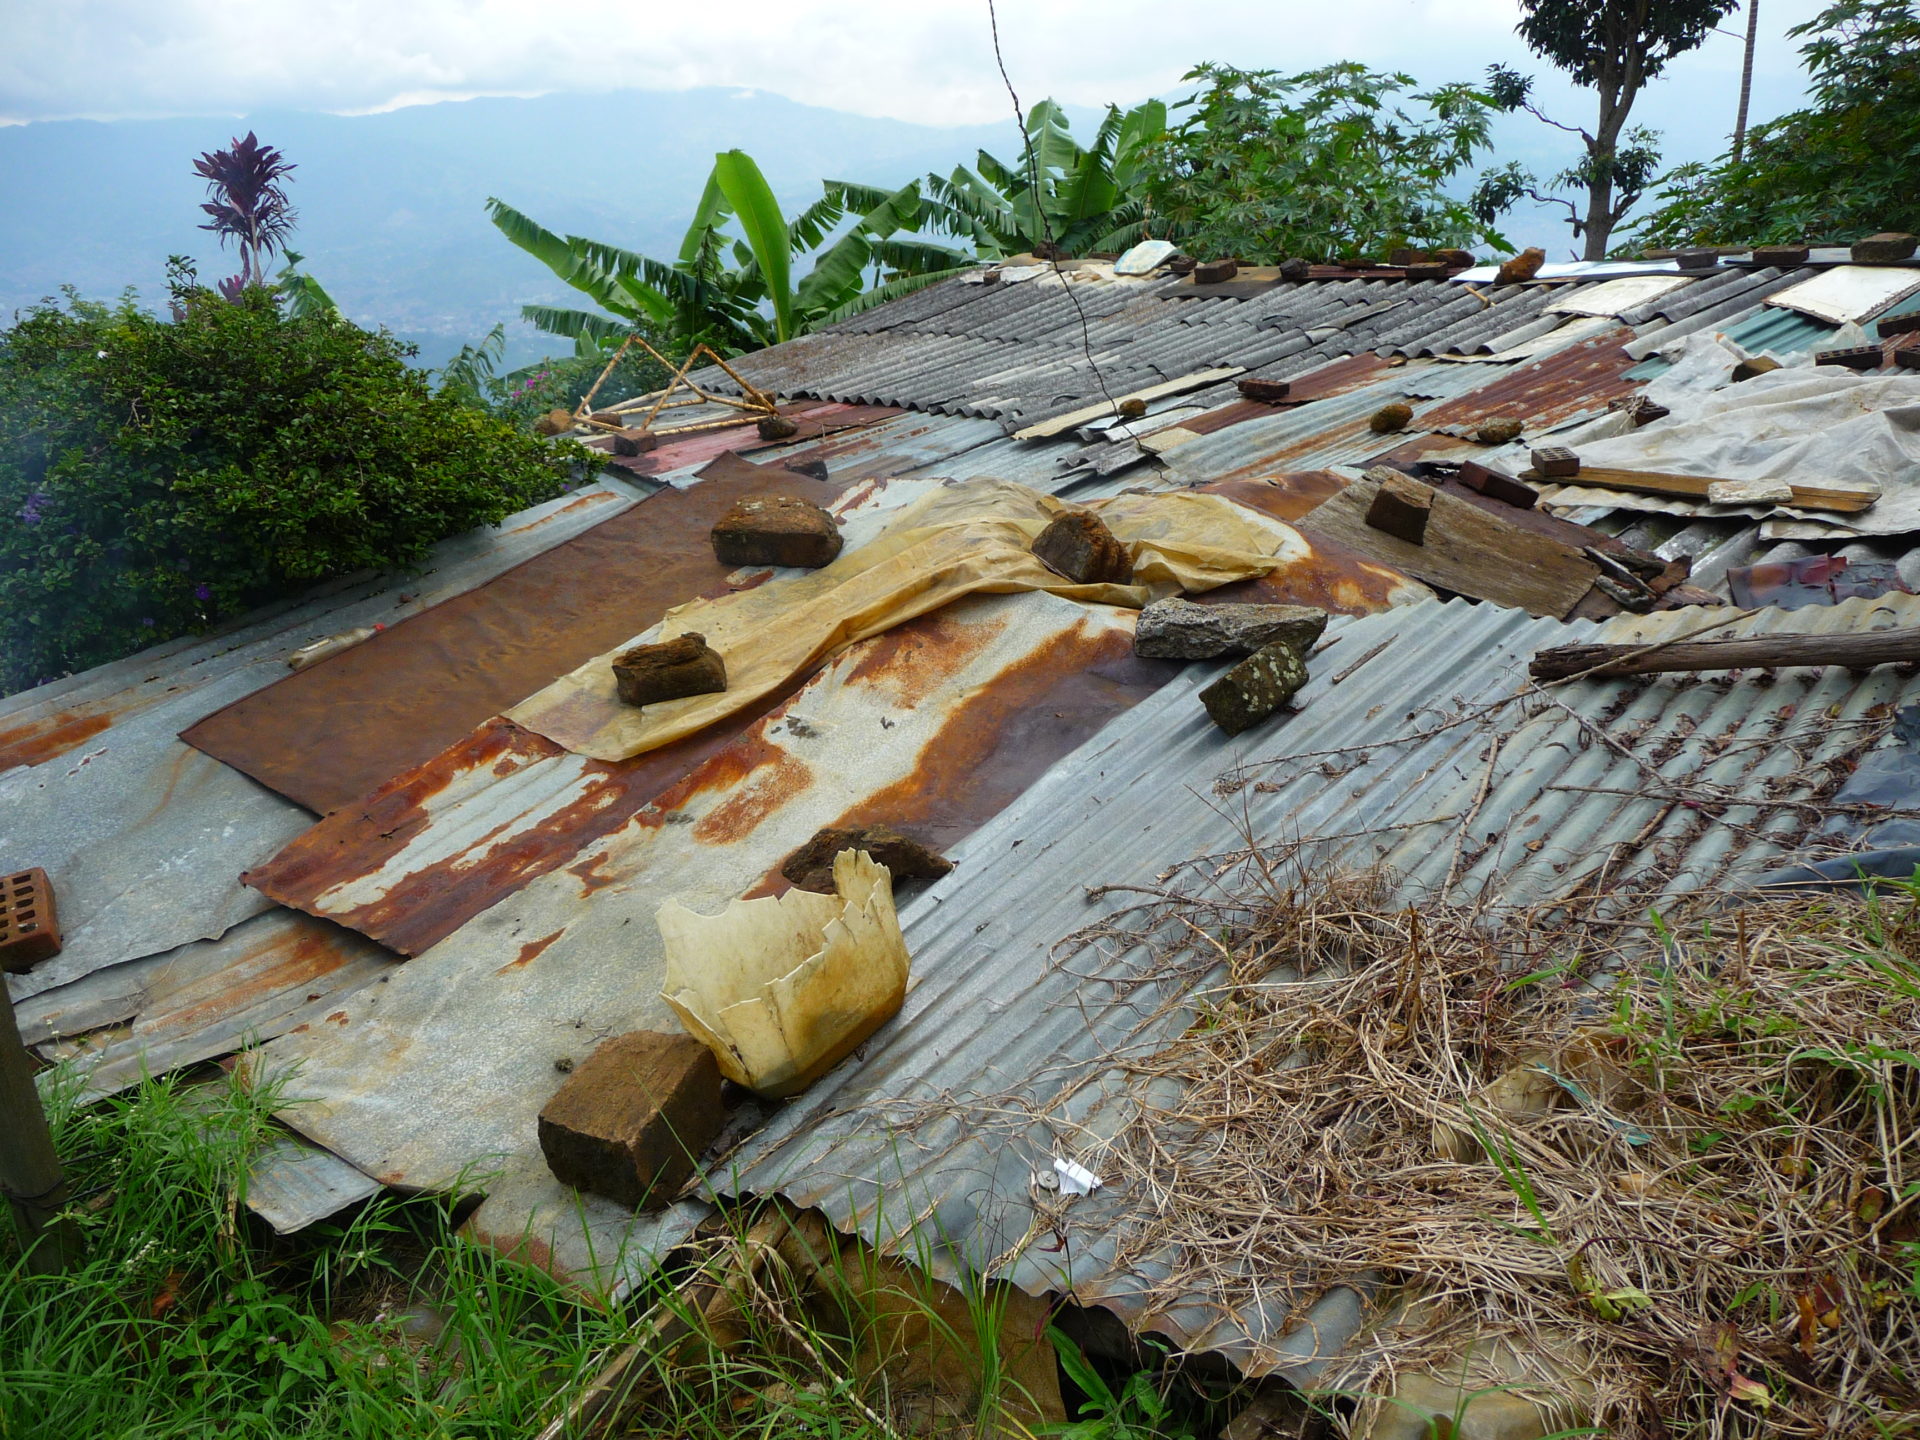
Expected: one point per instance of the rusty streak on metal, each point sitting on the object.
(328, 735)
(1544, 393)
(40, 740)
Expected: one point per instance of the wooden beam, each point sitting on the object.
(1846, 499)
(1060, 424)
(1856, 652)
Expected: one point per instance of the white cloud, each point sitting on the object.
(935, 65)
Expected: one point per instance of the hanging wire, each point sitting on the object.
(1046, 224)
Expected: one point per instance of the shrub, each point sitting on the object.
(158, 475)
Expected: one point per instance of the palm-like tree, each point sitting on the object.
(737, 292)
(248, 204)
(1079, 200)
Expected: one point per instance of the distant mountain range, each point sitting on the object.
(391, 206)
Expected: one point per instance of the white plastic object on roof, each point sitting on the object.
(1849, 292)
(1144, 258)
(1616, 297)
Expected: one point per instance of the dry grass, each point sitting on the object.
(1714, 1215)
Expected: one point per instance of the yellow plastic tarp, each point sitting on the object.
(967, 539)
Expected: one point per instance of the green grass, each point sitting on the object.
(181, 1322)
(186, 1318)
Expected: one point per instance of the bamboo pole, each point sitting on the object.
(30, 1173)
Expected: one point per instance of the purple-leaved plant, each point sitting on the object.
(248, 204)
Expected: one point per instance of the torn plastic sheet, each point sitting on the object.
(1815, 580)
(1809, 425)
(783, 988)
(970, 538)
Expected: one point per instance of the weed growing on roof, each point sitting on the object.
(158, 475)
(1673, 1195)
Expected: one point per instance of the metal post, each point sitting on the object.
(30, 1174)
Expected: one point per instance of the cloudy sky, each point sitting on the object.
(929, 63)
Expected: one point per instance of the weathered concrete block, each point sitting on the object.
(1430, 270)
(1556, 462)
(1255, 688)
(1907, 357)
(1213, 272)
(634, 442)
(1179, 629)
(1265, 391)
(1501, 430)
(608, 417)
(776, 530)
(1401, 507)
(811, 866)
(632, 1119)
(1405, 256)
(1456, 259)
(1498, 485)
(1181, 264)
(777, 427)
(1781, 257)
(1389, 418)
(1888, 247)
(1521, 267)
(1696, 259)
(1079, 546)
(1898, 324)
(647, 674)
(554, 422)
(1296, 269)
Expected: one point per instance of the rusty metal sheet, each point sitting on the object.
(1579, 380)
(275, 972)
(937, 724)
(329, 734)
(815, 420)
(450, 839)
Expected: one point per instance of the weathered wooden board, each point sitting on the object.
(1468, 550)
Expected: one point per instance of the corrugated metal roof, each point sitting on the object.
(1003, 1055)
(144, 837)
(428, 1069)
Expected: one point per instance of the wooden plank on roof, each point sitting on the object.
(1059, 424)
(1466, 549)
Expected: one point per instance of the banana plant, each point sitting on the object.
(1080, 199)
(737, 291)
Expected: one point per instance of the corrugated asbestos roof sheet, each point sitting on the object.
(1004, 1055)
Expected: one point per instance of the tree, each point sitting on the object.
(1078, 200)
(1613, 47)
(754, 301)
(1828, 174)
(1322, 164)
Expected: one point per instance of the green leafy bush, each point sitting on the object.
(1842, 168)
(158, 475)
(1322, 164)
